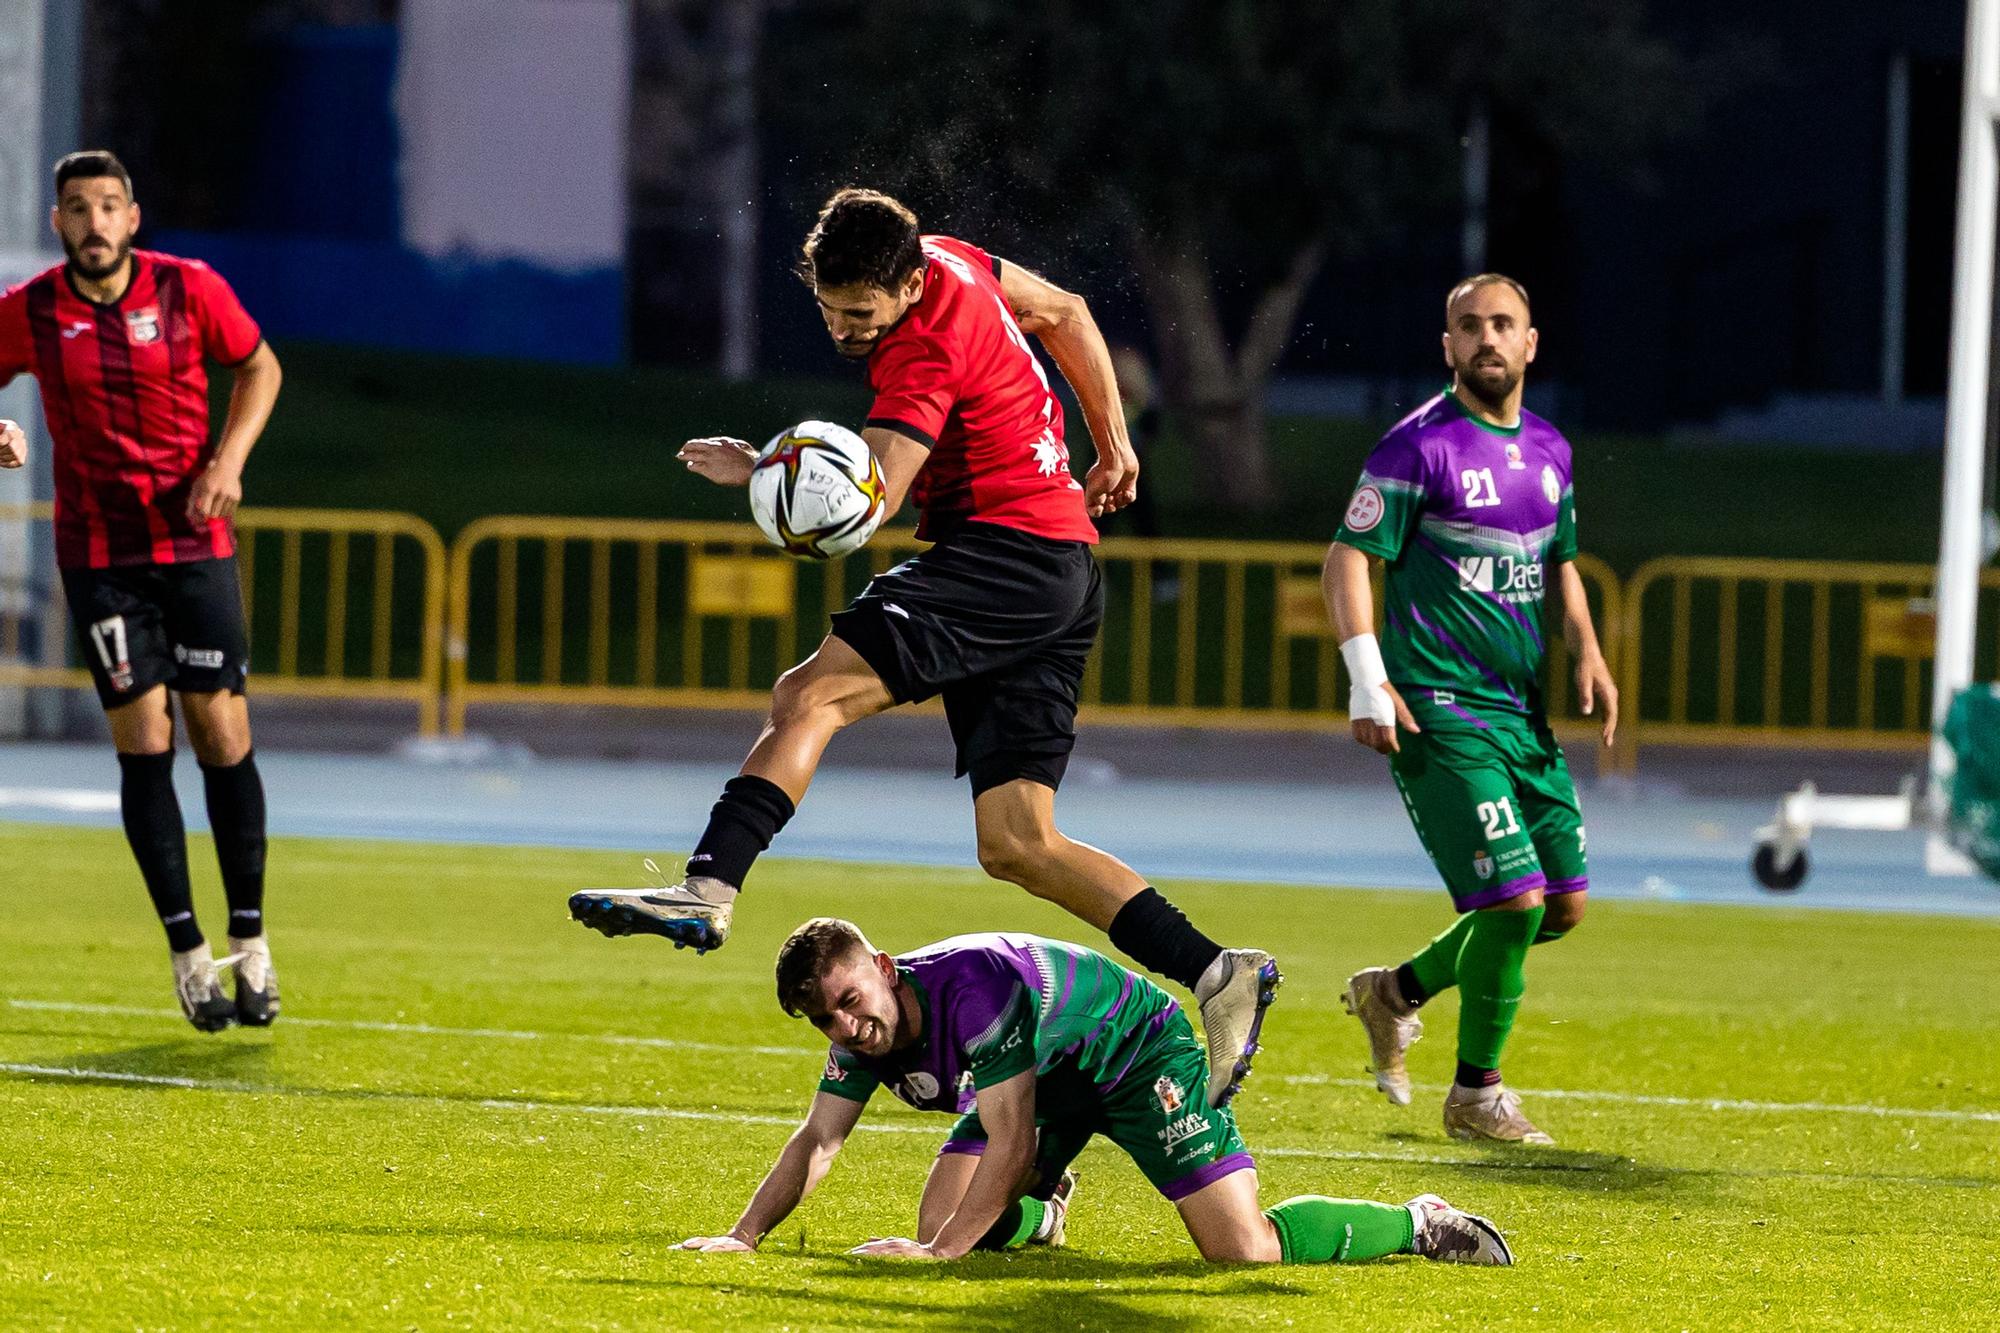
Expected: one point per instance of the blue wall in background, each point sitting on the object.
(320, 258)
(332, 290)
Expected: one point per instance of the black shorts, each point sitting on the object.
(1000, 623)
(178, 625)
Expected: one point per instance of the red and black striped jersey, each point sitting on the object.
(125, 390)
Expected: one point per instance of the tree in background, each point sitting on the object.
(1225, 148)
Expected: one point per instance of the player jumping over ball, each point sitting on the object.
(117, 340)
(998, 617)
(1035, 1045)
(1468, 502)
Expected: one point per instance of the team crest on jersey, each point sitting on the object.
(143, 326)
(1482, 865)
(1364, 511)
(1514, 463)
(1551, 485)
(1170, 1094)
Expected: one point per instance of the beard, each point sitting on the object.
(1490, 384)
(95, 272)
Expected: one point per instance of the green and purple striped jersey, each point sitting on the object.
(1471, 520)
(997, 1005)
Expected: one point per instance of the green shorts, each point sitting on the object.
(1157, 1111)
(1496, 810)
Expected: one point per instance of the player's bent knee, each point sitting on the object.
(1565, 913)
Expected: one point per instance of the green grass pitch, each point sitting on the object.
(476, 1114)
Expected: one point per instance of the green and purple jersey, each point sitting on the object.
(1471, 520)
(997, 1005)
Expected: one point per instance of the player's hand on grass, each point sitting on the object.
(1381, 736)
(1112, 482)
(895, 1247)
(1594, 690)
(217, 492)
(13, 444)
(717, 1245)
(723, 459)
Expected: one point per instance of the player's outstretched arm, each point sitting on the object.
(218, 488)
(1374, 708)
(1007, 1110)
(807, 1156)
(13, 444)
(1595, 689)
(1063, 322)
(723, 459)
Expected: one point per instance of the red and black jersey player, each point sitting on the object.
(998, 616)
(118, 340)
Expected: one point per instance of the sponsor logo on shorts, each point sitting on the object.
(1364, 511)
(895, 610)
(1482, 865)
(1169, 1093)
(209, 659)
(1443, 698)
(1183, 1129)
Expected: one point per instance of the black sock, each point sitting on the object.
(1412, 990)
(236, 817)
(740, 826)
(159, 841)
(1154, 934)
(1472, 1076)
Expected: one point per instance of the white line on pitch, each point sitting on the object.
(430, 1030)
(807, 1052)
(1692, 1103)
(529, 1106)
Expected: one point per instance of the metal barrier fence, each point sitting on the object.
(355, 604)
(340, 604)
(1784, 652)
(685, 614)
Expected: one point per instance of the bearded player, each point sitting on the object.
(1467, 501)
(1036, 1045)
(998, 616)
(117, 340)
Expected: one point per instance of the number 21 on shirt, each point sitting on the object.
(1478, 483)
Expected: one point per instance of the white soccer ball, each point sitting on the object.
(817, 491)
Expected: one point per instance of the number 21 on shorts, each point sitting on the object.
(1492, 813)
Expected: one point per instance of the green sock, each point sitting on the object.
(1016, 1226)
(1436, 964)
(1491, 982)
(1313, 1229)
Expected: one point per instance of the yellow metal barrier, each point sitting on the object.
(1783, 652)
(685, 614)
(346, 632)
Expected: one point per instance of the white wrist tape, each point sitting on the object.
(1368, 698)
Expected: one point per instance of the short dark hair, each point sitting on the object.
(861, 236)
(91, 163)
(809, 952)
(1478, 280)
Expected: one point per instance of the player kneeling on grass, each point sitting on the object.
(1036, 1045)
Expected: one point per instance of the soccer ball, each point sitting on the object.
(817, 491)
